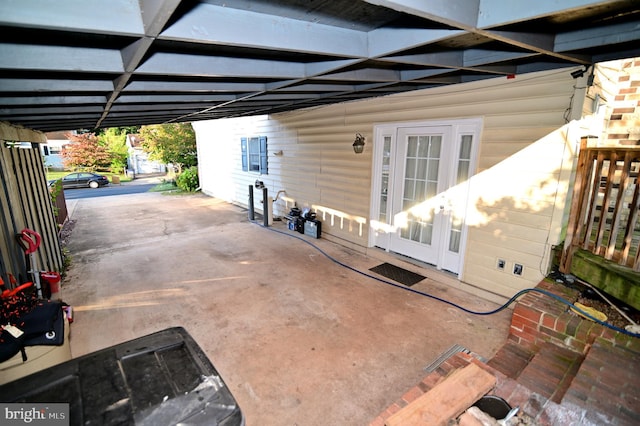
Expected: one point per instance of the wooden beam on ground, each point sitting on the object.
(447, 400)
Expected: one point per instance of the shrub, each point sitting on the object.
(188, 179)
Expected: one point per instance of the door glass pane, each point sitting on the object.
(434, 148)
(455, 234)
(464, 159)
(433, 170)
(427, 233)
(420, 183)
(464, 166)
(421, 169)
(423, 146)
(465, 147)
(254, 154)
(421, 189)
(412, 146)
(410, 173)
(408, 193)
(384, 179)
(432, 189)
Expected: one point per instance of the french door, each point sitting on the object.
(419, 187)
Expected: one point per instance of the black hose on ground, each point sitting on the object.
(455, 305)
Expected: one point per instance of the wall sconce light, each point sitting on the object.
(358, 145)
(579, 73)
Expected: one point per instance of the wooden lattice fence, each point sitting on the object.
(604, 212)
(25, 202)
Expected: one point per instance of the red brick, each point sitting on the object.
(597, 418)
(519, 396)
(607, 407)
(504, 388)
(629, 400)
(431, 380)
(583, 331)
(572, 326)
(455, 362)
(521, 322)
(634, 345)
(530, 313)
(378, 421)
(577, 396)
(523, 335)
(534, 405)
(548, 320)
(595, 332)
(534, 333)
(545, 285)
(540, 383)
(412, 394)
(608, 333)
(610, 376)
(577, 345)
(555, 414)
(393, 408)
(617, 135)
(623, 111)
(553, 334)
(561, 323)
(629, 415)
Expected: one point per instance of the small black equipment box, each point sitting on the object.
(313, 228)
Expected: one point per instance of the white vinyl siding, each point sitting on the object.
(318, 168)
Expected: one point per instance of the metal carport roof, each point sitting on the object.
(72, 64)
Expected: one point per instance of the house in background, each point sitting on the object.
(138, 159)
(473, 179)
(52, 149)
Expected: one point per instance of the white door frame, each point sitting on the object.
(379, 231)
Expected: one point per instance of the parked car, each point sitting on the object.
(84, 180)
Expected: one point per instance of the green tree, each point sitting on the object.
(115, 140)
(85, 152)
(124, 130)
(171, 143)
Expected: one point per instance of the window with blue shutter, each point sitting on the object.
(254, 154)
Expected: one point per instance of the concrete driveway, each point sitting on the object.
(299, 339)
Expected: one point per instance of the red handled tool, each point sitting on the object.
(30, 240)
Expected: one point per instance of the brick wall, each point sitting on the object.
(624, 122)
(538, 318)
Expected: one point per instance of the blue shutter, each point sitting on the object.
(245, 154)
(263, 155)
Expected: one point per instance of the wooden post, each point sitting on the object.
(574, 214)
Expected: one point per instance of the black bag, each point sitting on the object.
(44, 325)
(9, 345)
(41, 325)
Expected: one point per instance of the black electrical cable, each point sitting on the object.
(455, 305)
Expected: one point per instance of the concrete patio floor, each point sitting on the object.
(298, 339)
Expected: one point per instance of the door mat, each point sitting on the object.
(398, 274)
